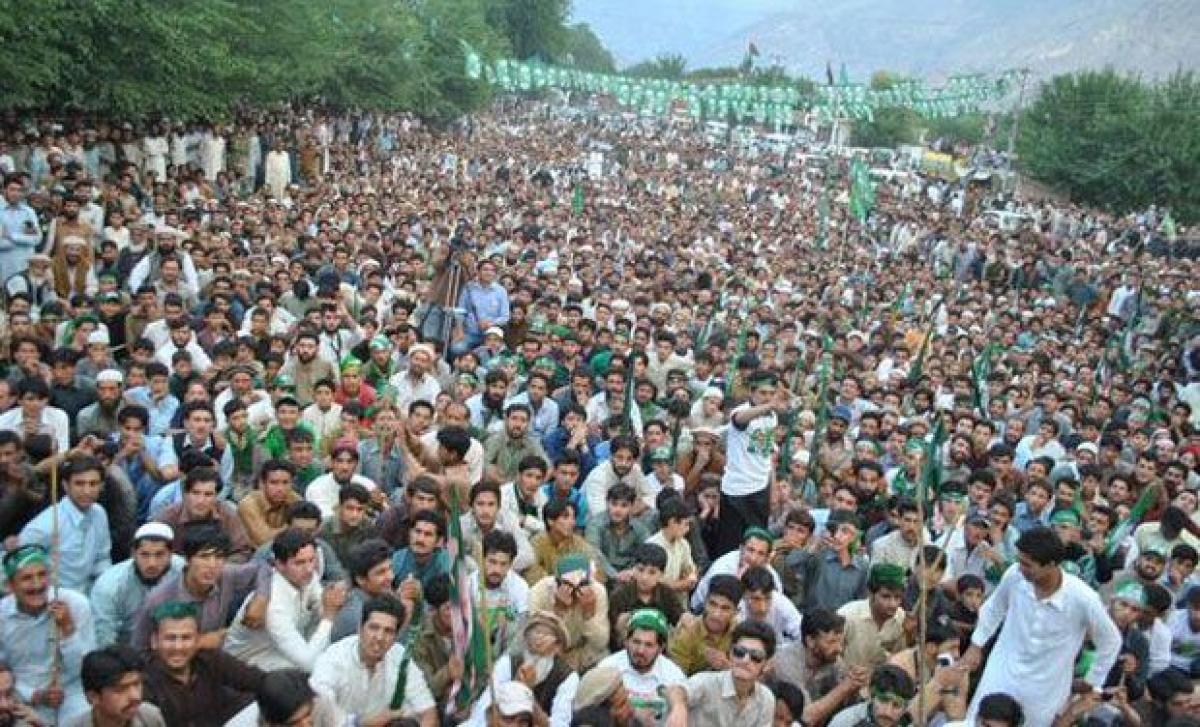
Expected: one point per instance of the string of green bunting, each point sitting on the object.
(657, 96)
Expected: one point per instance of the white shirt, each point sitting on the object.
(508, 504)
(408, 391)
(54, 422)
(729, 565)
(200, 359)
(340, 675)
(295, 633)
(560, 707)
(323, 423)
(783, 618)
(1034, 657)
(748, 454)
(474, 458)
(323, 491)
(647, 690)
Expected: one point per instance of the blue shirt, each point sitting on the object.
(577, 499)
(117, 596)
(21, 227)
(555, 444)
(404, 565)
(84, 542)
(162, 412)
(24, 645)
(545, 419)
(162, 451)
(480, 303)
(1024, 520)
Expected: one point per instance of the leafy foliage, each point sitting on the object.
(1116, 142)
(668, 66)
(202, 58)
(584, 50)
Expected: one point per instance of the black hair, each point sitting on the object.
(726, 586)
(969, 582)
(499, 541)
(650, 554)
(758, 578)
(282, 693)
(555, 508)
(756, 630)
(483, 487)
(433, 518)
(893, 680)
(621, 492)
(275, 465)
(672, 508)
(437, 592)
(303, 510)
(201, 474)
(366, 555)
(290, 542)
(356, 492)
(1042, 545)
(1003, 708)
(1183, 551)
(33, 385)
(1158, 598)
(531, 462)
(385, 603)
(789, 694)
(820, 621)
(455, 439)
(104, 667)
(625, 442)
(134, 411)
(203, 538)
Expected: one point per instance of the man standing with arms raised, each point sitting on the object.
(1046, 614)
(745, 498)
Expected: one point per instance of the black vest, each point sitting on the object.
(544, 693)
(210, 450)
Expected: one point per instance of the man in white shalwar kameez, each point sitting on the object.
(212, 153)
(279, 171)
(1046, 614)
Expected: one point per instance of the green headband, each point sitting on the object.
(23, 558)
(1132, 593)
(1065, 517)
(174, 610)
(886, 575)
(759, 533)
(885, 696)
(572, 563)
(650, 619)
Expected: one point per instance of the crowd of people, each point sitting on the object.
(296, 406)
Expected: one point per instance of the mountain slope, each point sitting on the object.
(929, 38)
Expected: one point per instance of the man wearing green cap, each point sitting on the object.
(657, 687)
(875, 625)
(1128, 604)
(45, 636)
(572, 593)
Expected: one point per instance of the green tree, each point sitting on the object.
(584, 50)
(668, 65)
(891, 125)
(1116, 142)
(534, 28)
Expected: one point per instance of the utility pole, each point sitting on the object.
(1012, 132)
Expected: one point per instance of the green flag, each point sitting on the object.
(931, 481)
(577, 201)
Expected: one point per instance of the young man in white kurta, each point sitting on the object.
(750, 444)
(1034, 658)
